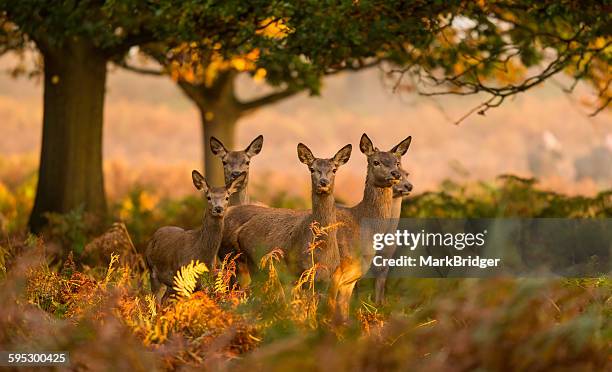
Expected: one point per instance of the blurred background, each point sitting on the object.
(72, 276)
(152, 135)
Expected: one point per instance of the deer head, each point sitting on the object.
(323, 171)
(383, 166)
(235, 162)
(403, 187)
(217, 197)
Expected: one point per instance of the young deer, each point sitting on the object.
(235, 163)
(265, 228)
(383, 173)
(400, 190)
(172, 247)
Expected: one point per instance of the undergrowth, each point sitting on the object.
(86, 293)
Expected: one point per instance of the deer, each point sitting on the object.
(258, 229)
(172, 247)
(235, 163)
(400, 191)
(383, 172)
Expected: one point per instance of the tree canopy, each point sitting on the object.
(498, 47)
(76, 40)
(501, 48)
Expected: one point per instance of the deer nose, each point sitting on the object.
(396, 174)
(408, 187)
(218, 209)
(323, 182)
(235, 175)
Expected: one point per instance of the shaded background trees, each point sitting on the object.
(498, 48)
(76, 41)
(464, 48)
(209, 81)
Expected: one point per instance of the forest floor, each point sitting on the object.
(77, 290)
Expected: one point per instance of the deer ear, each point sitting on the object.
(366, 146)
(254, 147)
(232, 186)
(217, 147)
(401, 148)
(199, 181)
(343, 155)
(304, 154)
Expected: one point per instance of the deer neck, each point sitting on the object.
(324, 212)
(210, 235)
(240, 197)
(396, 207)
(377, 201)
(323, 208)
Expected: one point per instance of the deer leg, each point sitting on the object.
(243, 274)
(343, 283)
(344, 302)
(332, 293)
(167, 295)
(379, 289)
(381, 277)
(155, 283)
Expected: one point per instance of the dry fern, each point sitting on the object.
(111, 269)
(225, 274)
(304, 299)
(272, 288)
(151, 305)
(370, 319)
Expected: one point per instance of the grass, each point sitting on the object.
(88, 294)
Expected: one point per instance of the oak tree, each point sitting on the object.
(76, 40)
(499, 48)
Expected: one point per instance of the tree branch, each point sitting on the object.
(360, 66)
(246, 107)
(140, 70)
(141, 38)
(269, 99)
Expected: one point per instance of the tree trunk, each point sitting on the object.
(220, 122)
(70, 174)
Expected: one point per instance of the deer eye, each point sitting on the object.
(227, 198)
(334, 171)
(376, 163)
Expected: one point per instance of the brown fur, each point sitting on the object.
(172, 247)
(236, 163)
(256, 230)
(383, 172)
(400, 190)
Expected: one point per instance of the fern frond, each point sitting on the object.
(267, 261)
(111, 267)
(152, 305)
(220, 286)
(186, 278)
(4, 254)
(272, 287)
